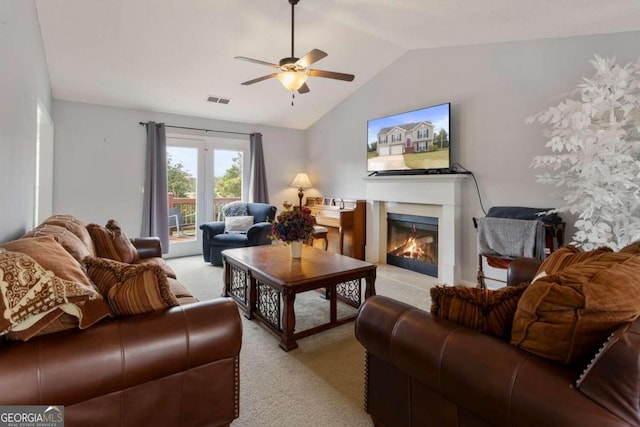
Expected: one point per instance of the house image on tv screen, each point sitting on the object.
(406, 138)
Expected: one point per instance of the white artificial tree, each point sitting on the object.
(595, 141)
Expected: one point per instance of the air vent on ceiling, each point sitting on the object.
(218, 100)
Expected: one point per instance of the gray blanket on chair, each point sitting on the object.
(511, 238)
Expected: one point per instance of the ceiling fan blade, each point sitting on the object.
(332, 75)
(304, 89)
(257, 61)
(314, 56)
(259, 79)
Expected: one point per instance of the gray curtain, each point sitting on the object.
(155, 214)
(258, 175)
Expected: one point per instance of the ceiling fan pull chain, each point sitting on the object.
(293, 96)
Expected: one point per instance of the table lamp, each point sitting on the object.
(301, 181)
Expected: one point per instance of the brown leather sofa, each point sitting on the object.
(426, 371)
(173, 367)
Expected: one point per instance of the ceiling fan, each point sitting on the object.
(293, 72)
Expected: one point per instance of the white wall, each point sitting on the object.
(23, 80)
(492, 89)
(99, 158)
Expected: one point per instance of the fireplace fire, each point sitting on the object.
(412, 243)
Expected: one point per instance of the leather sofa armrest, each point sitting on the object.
(492, 379)
(75, 366)
(522, 270)
(613, 377)
(147, 247)
(375, 322)
(258, 234)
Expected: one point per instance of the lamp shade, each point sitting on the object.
(301, 181)
(292, 80)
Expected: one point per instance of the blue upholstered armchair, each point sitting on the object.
(238, 230)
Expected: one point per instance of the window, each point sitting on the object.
(203, 175)
(396, 137)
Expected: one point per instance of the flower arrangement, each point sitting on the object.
(595, 145)
(293, 224)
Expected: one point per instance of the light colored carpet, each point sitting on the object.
(321, 383)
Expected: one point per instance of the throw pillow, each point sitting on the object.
(566, 315)
(159, 262)
(75, 226)
(612, 379)
(124, 247)
(485, 310)
(59, 324)
(633, 248)
(80, 315)
(131, 289)
(237, 224)
(38, 324)
(567, 256)
(31, 298)
(111, 242)
(51, 256)
(235, 209)
(66, 238)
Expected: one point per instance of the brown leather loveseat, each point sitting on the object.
(177, 366)
(423, 370)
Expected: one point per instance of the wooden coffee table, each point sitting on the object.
(264, 281)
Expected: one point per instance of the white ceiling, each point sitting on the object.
(169, 55)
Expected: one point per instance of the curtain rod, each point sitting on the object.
(204, 130)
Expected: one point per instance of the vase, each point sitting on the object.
(296, 248)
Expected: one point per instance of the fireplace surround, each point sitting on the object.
(436, 196)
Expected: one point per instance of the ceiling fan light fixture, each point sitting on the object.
(292, 80)
(293, 72)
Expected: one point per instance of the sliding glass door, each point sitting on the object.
(203, 175)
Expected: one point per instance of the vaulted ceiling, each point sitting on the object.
(170, 55)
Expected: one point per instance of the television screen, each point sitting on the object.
(413, 141)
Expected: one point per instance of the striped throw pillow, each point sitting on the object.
(485, 310)
(112, 242)
(130, 289)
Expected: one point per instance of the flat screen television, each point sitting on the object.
(413, 142)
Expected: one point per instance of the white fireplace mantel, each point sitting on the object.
(431, 193)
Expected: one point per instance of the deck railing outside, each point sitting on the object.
(187, 208)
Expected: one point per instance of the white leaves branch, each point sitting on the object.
(595, 145)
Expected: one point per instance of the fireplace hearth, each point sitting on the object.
(412, 243)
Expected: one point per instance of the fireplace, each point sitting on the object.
(412, 243)
(436, 196)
